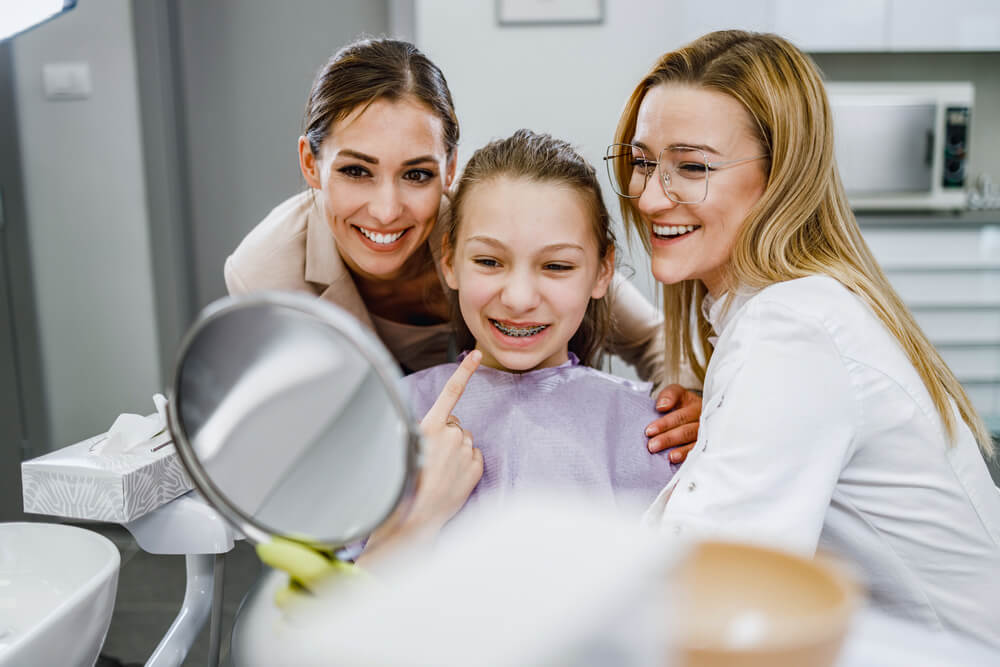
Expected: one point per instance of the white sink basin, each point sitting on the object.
(57, 592)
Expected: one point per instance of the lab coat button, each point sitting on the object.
(691, 486)
(677, 530)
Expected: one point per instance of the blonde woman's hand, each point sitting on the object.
(677, 430)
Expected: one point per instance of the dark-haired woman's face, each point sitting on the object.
(381, 173)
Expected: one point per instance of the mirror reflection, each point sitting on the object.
(289, 422)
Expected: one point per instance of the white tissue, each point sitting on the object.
(129, 431)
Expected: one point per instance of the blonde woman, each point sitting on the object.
(724, 166)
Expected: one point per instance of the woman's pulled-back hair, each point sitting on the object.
(802, 225)
(541, 158)
(372, 69)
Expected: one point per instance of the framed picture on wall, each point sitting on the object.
(549, 12)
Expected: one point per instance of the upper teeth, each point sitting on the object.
(520, 332)
(672, 230)
(381, 238)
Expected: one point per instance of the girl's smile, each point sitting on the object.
(518, 336)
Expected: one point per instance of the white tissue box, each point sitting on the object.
(73, 482)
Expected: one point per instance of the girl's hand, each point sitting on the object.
(451, 469)
(452, 466)
(678, 429)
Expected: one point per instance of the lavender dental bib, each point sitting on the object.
(570, 427)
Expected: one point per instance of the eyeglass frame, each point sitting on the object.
(665, 178)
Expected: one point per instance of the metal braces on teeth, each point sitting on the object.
(518, 333)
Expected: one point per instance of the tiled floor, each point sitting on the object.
(150, 591)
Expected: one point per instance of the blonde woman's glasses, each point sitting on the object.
(684, 171)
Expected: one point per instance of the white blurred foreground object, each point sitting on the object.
(558, 581)
(544, 581)
(57, 592)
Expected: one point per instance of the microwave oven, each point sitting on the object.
(902, 146)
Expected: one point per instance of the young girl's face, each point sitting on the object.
(525, 265)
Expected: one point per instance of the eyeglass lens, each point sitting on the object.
(683, 172)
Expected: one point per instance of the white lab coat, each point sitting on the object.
(817, 432)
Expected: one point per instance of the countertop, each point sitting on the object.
(928, 219)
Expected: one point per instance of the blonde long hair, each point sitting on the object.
(802, 225)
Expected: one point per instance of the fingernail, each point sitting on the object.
(650, 431)
(675, 457)
(662, 406)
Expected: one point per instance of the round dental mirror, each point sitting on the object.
(288, 416)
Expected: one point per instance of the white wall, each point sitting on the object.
(246, 67)
(88, 224)
(570, 81)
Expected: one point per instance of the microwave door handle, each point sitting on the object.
(929, 148)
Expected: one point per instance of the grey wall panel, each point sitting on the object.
(87, 218)
(246, 69)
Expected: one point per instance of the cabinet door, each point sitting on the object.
(695, 19)
(933, 247)
(932, 25)
(848, 25)
(950, 280)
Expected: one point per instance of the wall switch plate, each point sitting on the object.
(66, 81)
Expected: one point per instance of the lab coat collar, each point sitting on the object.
(722, 310)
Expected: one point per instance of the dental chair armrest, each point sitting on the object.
(185, 525)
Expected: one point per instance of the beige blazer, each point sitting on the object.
(294, 249)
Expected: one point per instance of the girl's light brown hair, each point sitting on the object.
(372, 69)
(540, 158)
(802, 225)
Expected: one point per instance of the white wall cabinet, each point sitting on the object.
(949, 277)
(932, 25)
(847, 25)
(856, 25)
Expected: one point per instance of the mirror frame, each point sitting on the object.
(349, 328)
